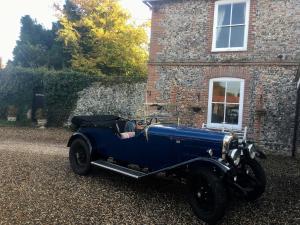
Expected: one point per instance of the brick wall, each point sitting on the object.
(182, 64)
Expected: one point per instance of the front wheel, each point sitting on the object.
(207, 196)
(80, 157)
(252, 178)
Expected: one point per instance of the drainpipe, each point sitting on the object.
(297, 114)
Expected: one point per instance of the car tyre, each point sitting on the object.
(255, 179)
(207, 196)
(80, 157)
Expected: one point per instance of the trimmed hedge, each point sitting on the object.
(61, 92)
(18, 85)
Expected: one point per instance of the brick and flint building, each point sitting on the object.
(228, 64)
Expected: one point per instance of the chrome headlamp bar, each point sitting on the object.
(251, 151)
(235, 155)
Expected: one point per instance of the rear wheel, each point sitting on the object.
(252, 178)
(80, 157)
(207, 196)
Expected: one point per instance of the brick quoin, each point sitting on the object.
(156, 30)
(155, 47)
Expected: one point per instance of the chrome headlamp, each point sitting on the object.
(251, 151)
(226, 142)
(235, 156)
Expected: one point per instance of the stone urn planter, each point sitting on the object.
(41, 118)
(41, 123)
(12, 113)
(11, 118)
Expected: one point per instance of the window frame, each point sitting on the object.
(241, 104)
(215, 24)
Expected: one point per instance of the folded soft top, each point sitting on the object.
(94, 121)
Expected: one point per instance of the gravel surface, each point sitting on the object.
(37, 186)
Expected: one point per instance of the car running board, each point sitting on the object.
(119, 169)
(138, 174)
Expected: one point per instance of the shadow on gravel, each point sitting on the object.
(279, 205)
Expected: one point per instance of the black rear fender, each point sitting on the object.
(89, 141)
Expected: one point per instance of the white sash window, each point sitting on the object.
(225, 103)
(231, 22)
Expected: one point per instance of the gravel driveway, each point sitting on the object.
(38, 187)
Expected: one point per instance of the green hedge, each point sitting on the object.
(17, 87)
(61, 92)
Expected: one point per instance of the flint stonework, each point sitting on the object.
(125, 100)
(182, 64)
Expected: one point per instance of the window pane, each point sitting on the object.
(222, 37)
(224, 14)
(217, 113)
(237, 36)
(232, 114)
(238, 13)
(219, 92)
(233, 92)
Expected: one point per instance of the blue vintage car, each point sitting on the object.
(212, 164)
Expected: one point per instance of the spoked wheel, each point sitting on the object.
(207, 196)
(252, 178)
(80, 156)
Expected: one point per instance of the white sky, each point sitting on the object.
(11, 12)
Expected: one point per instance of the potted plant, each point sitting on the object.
(260, 109)
(41, 118)
(12, 113)
(196, 108)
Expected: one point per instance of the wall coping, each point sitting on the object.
(237, 63)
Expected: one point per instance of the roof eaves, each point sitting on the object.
(149, 3)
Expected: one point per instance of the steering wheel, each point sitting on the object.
(151, 120)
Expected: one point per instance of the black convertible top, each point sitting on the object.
(95, 121)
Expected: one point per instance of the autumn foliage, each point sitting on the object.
(100, 37)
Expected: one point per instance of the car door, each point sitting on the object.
(148, 150)
(160, 151)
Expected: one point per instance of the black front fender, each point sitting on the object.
(197, 163)
(207, 163)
